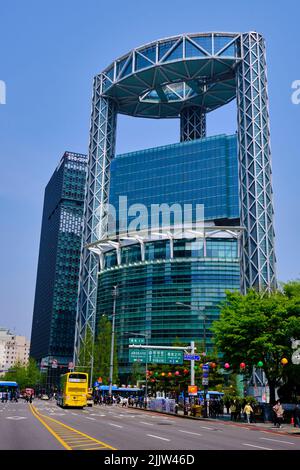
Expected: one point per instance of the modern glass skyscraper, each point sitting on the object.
(53, 324)
(156, 276)
(182, 77)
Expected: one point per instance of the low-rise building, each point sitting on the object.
(13, 348)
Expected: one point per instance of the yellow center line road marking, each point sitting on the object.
(66, 434)
(64, 444)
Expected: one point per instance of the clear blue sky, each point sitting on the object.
(50, 52)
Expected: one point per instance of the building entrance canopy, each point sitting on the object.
(160, 79)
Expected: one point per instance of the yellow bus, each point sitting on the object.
(73, 389)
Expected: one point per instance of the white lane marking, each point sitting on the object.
(96, 414)
(116, 425)
(158, 437)
(188, 432)
(258, 447)
(276, 440)
(149, 424)
(93, 419)
(75, 414)
(205, 427)
(16, 418)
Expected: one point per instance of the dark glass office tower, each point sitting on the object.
(54, 314)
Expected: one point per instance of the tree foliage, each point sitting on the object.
(256, 327)
(25, 375)
(102, 351)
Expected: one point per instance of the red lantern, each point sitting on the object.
(185, 371)
(150, 372)
(213, 365)
(177, 373)
(226, 365)
(152, 380)
(242, 365)
(169, 374)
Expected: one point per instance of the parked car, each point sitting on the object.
(45, 397)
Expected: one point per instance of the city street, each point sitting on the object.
(43, 425)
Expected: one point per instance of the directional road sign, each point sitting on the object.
(156, 356)
(136, 340)
(191, 357)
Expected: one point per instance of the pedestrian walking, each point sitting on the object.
(248, 410)
(232, 410)
(279, 411)
(296, 415)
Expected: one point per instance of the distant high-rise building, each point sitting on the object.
(54, 314)
(13, 348)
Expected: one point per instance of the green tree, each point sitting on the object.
(33, 374)
(85, 353)
(25, 375)
(137, 372)
(102, 350)
(256, 327)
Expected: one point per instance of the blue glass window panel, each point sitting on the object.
(164, 48)
(120, 65)
(192, 51)
(205, 42)
(110, 73)
(106, 83)
(229, 51)
(141, 62)
(149, 52)
(177, 53)
(220, 42)
(127, 70)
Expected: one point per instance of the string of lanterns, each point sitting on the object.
(213, 365)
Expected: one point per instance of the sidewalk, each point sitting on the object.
(225, 419)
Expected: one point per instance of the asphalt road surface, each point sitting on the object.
(46, 426)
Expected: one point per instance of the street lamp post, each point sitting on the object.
(112, 347)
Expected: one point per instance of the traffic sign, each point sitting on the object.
(192, 390)
(54, 364)
(204, 381)
(156, 356)
(71, 365)
(205, 367)
(136, 340)
(191, 357)
(138, 355)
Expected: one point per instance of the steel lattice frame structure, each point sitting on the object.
(184, 77)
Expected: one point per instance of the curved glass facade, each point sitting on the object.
(148, 290)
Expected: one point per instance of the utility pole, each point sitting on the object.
(111, 365)
(192, 363)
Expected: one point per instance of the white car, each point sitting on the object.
(44, 397)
